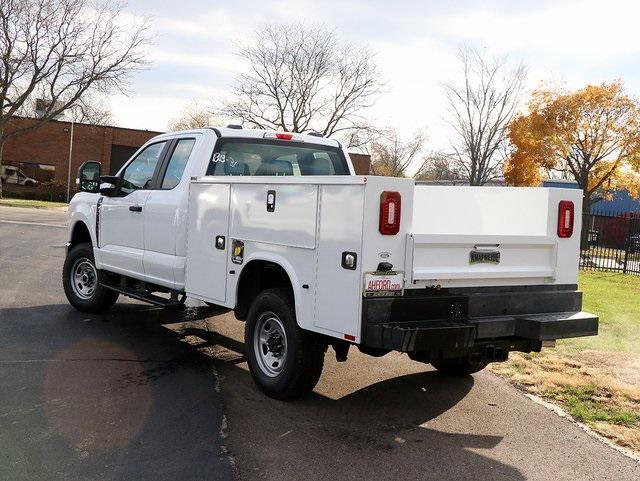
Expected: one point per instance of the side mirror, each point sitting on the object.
(113, 189)
(88, 179)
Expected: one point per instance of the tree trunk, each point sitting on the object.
(586, 204)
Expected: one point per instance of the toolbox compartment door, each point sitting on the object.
(206, 266)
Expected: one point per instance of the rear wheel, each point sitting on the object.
(81, 281)
(458, 366)
(285, 361)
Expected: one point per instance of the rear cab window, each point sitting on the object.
(264, 157)
(177, 162)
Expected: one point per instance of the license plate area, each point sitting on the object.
(383, 284)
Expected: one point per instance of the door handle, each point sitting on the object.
(135, 208)
(271, 201)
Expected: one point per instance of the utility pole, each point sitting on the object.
(69, 167)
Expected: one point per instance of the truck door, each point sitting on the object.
(121, 238)
(165, 219)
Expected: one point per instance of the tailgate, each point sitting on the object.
(441, 256)
(490, 236)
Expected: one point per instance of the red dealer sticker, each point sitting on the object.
(383, 284)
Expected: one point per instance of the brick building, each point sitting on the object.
(38, 160)
(35, 165)
(361, 163)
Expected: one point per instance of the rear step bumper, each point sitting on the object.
(437, 321)
(463, 334)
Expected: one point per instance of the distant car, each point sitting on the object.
(13, 175)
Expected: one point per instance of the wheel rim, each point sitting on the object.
(84, 278)
(270, 344)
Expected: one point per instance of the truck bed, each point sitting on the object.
(317, 219)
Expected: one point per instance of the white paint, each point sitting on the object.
(122, 234)
(292, 222)
(206, 274)
(337, 290)
(519, 223)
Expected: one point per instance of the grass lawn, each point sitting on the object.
(31, 203)
(595, 379)
(616, 299)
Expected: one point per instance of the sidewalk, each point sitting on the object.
(37, 204)
(51, 217)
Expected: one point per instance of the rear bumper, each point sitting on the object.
(515, 318)
(465, 334)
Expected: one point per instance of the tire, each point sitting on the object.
(286, 362)
(84, 293)
(458, 366)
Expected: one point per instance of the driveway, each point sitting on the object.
(144, 393)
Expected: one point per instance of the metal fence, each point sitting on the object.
(611, 242)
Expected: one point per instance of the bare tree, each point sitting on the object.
(301, 79)
(363, 137)
(90, 110)
(438, 166)
(194, 117)
(481, 106)
(60, 51)
(391, 155)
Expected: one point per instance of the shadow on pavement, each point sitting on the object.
(119, 396)
(374, 432)
(112, 396)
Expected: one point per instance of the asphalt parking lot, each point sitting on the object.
(144, 393)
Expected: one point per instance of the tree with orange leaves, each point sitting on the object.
(591, 135)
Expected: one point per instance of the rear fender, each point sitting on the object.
(303, 320)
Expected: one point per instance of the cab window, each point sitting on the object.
(177, 163)
(258, 157)
(139, 173)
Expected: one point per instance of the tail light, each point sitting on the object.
(390, 211)
(565, 218)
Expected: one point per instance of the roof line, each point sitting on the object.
(87, 124)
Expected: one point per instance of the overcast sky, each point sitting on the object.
(572, 42)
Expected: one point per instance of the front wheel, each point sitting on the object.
(458, 366)
(80, 280)
(285, 361)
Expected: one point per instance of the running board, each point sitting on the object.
(145, 296)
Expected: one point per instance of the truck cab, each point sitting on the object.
(277, 227)
(14, 175)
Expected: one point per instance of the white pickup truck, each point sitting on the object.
(278, 228)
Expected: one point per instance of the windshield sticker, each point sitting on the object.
(221, 157)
